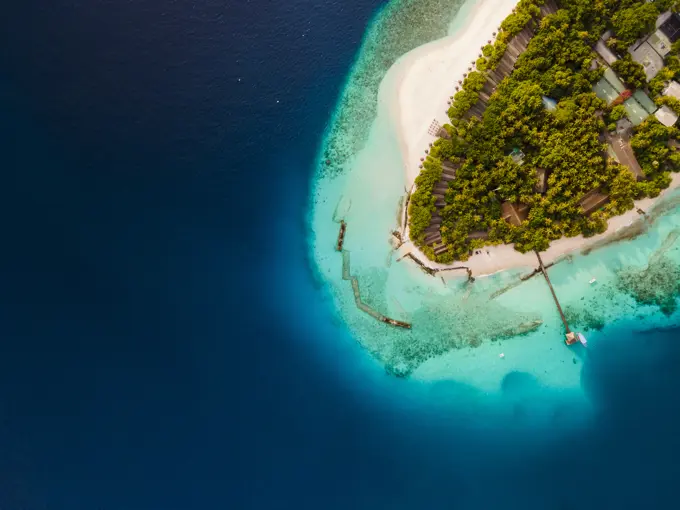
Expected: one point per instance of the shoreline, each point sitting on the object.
(418, 88)
(425, 79)
(504, 257)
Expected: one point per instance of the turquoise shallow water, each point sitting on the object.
(460, 330)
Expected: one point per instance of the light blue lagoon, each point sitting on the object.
(460, 329)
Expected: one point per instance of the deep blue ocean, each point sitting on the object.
(163, 341)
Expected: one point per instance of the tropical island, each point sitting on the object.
(567, 119)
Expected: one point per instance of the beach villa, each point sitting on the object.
(514, 214)
(672, 89)
(666, 116)
(592, 201)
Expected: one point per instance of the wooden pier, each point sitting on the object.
(346, 275)
(552, 290)
(341, 235)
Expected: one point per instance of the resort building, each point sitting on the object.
(651, 51)
(592, 201)
(672, 89)
(666, 116)
(638, 107)
(619, 144)
(514, 214)
(601, 49)
(433, 235)
(645, 55)
(668, 24)
(609, 87)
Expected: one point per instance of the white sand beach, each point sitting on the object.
(421, 82)
(426, 77)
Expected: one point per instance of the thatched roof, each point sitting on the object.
(514, 214)
(592, 201)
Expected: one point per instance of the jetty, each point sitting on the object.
(557, 302)
(341, 235)
(346, 275)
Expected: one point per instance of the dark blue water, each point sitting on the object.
(164, 344)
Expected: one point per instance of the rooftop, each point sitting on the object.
(647, 56)
(634, 111)
(614, 80)
(666, 116)
(607, 55)
(671, 27)
(672, 89)
(660, 43)
(645, 101)
(604, 90)
(514, 214)
(592, 201)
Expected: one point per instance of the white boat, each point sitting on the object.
(592, 281)
(582, 339)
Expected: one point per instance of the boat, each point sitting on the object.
(593, 280)
(582, 339)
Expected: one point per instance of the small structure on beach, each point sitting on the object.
(514, 214)
(434, 128)
(666, 116)
(592, 201)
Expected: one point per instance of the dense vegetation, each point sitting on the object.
(630, 72)
(422, 202)
(656, 158)
(566, 141)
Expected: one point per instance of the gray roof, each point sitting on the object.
(666, 116)
(672, 89)
(647, 56)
